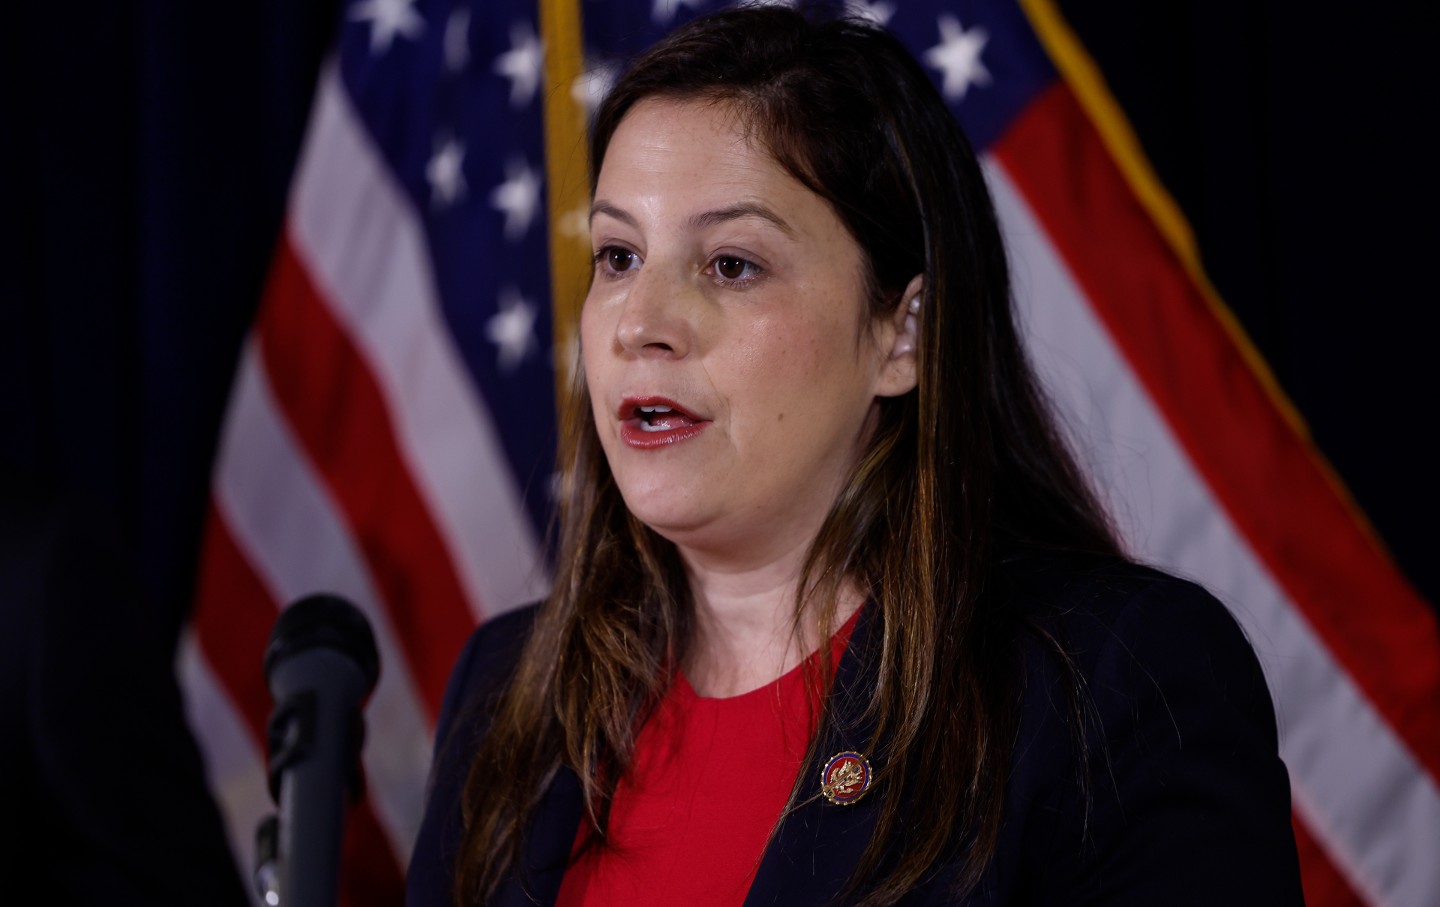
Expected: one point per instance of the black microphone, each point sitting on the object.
(321, 664)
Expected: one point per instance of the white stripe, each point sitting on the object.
(364, 248)
(1355, 782)
(233, 763)
(291, 532)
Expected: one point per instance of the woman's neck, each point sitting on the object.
(745, 631)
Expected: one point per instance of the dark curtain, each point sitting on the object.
(147, 151)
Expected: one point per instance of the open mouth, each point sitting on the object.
(661, 418)
(652, 421)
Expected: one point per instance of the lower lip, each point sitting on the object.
(635, 436)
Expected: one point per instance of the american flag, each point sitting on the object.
(390, 430)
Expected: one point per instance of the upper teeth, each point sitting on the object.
(655, 409)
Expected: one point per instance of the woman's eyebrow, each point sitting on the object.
(609, 210)
(703, 219)
(742, 210)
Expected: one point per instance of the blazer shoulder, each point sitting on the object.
(483, 668)
(1124, 634)
(1117, 607)
(481, 673)
(495, 645)
(1180, 751)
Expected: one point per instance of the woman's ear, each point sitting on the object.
(898, 373)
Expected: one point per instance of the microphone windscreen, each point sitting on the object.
(324, 621)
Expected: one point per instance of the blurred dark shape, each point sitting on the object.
(148, 149)
(103, 786)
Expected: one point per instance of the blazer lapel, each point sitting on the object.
(816, 847)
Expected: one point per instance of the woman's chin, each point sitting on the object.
(693, 530)
(669, 514)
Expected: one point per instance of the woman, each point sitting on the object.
(837, 619)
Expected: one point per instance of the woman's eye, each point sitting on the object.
(731, 267)
(616, 259)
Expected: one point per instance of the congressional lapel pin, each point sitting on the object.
(845, 778)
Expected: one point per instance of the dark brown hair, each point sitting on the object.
(961, 474)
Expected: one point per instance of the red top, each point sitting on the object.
(710, 779)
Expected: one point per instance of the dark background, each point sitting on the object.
(147, 151)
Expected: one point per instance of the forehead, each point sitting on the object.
(702, 141)
(697, 155)
(705, 119)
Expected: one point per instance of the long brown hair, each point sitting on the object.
(960, 475)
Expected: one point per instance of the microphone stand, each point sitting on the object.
(320, 664)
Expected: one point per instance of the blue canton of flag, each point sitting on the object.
(453, 95)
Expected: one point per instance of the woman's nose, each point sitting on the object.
(653, 320)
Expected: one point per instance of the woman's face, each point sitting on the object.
(731, 368)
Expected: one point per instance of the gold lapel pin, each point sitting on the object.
(845, 778)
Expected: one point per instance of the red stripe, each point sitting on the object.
(1269, 479)
(334, 405)
(232, 619)
(1324, 885)
(369, 875)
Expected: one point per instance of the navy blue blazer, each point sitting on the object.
(1189, 803)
